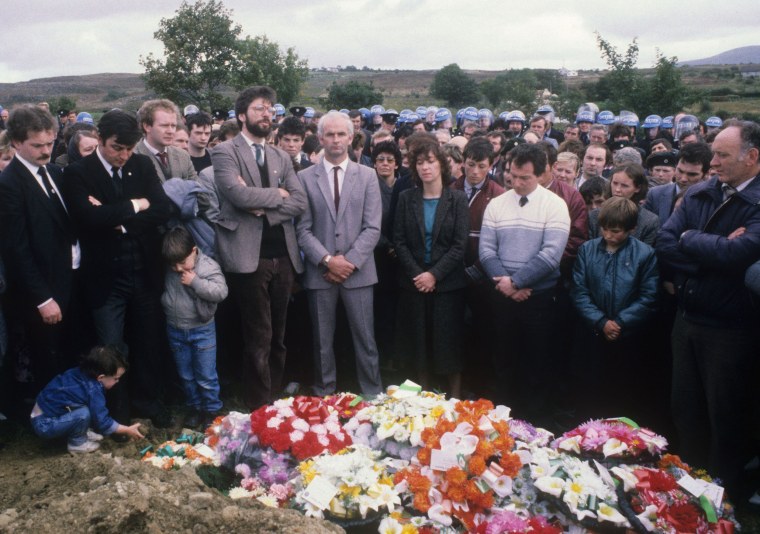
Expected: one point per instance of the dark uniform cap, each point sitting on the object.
(662, 159)
(298, 111)
(219, 114)
(617, 145)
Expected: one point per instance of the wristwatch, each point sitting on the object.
(326, 260)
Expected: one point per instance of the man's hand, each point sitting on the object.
(283, 192)
(521, 295)
(424, 282)
(187, 277)
(504, 285)
(142, 204)
(333, 279)
(737, 233)
(51, 313)
(94, 201)
(341, 268)
(611, 330)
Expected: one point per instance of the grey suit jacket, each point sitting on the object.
(352, 232)
(238, 230)
(180, 164)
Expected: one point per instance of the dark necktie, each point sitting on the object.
(164, 159)
(473, 192)
(728, 191)
(116, 179)
(57, 202)
(336, 190)
(259, 154)
(523, 201)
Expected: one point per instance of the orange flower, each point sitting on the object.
(456, 494)
(477, 465)
(511, 464)
(472, 490)
(419, 483)
(456, 476)
(668, 460)
(423, 455)
(421, 502)
(485, 449)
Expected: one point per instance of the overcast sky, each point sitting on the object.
(43, 38)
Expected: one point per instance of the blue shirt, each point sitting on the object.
(430, 204)
(74, 389)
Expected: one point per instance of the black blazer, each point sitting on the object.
(450, 230)
(35, 238)
(97, 225)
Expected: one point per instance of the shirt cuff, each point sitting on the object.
(48, 301)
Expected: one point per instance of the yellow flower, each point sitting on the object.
(409, 529)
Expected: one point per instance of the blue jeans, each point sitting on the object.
(195, 355)
(72, 424)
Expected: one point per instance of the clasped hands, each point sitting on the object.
(338, 270)
(505, 287)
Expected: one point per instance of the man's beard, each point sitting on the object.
(256, 130)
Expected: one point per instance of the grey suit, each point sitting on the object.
(180, 164)
(257, 247)
(661, 200)
(352, 232)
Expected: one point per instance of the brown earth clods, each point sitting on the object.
(44, 489)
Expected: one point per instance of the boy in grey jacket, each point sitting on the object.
(194, 286)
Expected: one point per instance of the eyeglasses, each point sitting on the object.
(385, 159)
(261, 109)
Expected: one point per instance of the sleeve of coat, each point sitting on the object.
(242, 196)
(454, 257)
(363, 246)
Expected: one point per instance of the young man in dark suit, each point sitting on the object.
(118, 204)
(39, 246)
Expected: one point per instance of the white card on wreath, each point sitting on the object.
(441, 460)
(691, 485)
(319, 493)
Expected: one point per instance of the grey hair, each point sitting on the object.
(626, 155)
(330, 115)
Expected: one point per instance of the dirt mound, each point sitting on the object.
(44, 489)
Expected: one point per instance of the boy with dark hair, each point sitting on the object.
(615, 293)
(290, 137)
(199, 133)
(594, 192)
(194, 286)
(75, 400)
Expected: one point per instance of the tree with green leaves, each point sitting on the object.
(204, 56)
(200, 50)
(515, 88)
(452, 85)
(263, 63)
(352, 95)
(620, 87)
(665, 93)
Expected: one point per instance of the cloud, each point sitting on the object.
(53, 38)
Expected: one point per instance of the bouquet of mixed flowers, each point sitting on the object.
(463, 463)
(177, 454)
(584, 492)
(346, 404)
(269, 483)
(231, 437)
(346, 485)
(303, 426)
(506, 522)
(615, 440)
(669, 500)
(394, 422)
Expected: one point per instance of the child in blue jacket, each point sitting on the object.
(74, 401)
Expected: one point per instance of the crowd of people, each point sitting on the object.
(608, 269)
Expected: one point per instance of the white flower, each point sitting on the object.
(571, 444)
(240, 493)
(628, 478)
(613, 446)
(605, 512)
(389, 526)
(300, 424)
(274, 422)
(551, 485)
(438, 514)
(648, 517)
(296, 435)
(268, 500)
(319, 430)
(312, 511)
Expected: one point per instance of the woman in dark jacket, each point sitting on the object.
(431, 225)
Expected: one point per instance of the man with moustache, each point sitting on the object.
(259, 196)
(39, 246)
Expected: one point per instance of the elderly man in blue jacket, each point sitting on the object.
(708, 243)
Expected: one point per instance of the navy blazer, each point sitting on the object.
(98, 225)
(661, 200)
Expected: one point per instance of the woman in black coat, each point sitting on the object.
(430, 230)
